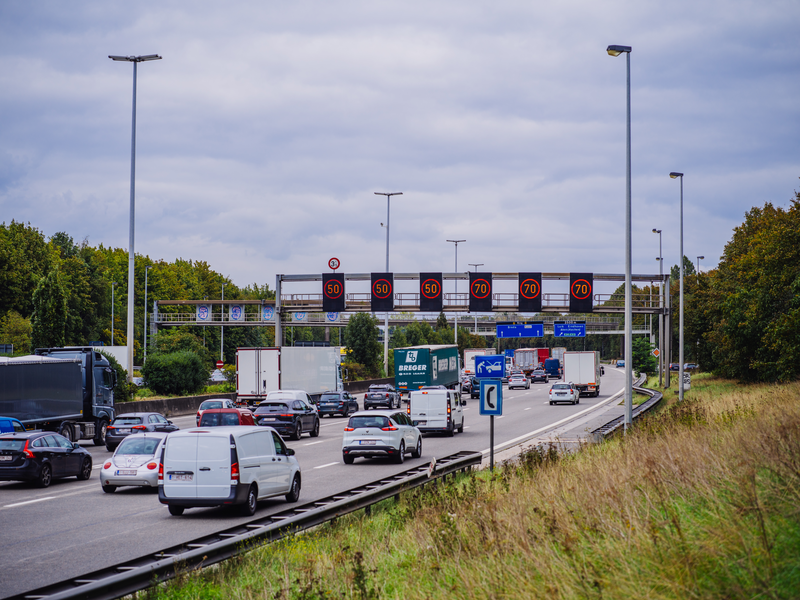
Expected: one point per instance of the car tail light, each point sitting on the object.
(160, 473)
(408, 409)
(551, 390)
(26, 451)
(448, 407)
(141, 427)
(349, 429)
(152, 465)
(235, 474)
(107, 465)
(386, 395)
(389, 428)
(109, 427)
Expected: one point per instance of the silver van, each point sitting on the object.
(437, 409)
(216, 466)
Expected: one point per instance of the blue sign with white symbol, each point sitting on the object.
(491, 397)
(563, 329)
(490, 366)
(332, 317)
(267, 313)
(520, 330)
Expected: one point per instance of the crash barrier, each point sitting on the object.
(359, 387)
(169, 407)
(618, 424)
(140, 573)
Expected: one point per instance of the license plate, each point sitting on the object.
(123, 430)
(126, 471)
(422, 422)
(181, 477)
(6, 458)
(367, 442)
(270, 420)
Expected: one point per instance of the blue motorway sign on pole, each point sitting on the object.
(526, 329)
(493, 365)
(492, 405)
(573, 329)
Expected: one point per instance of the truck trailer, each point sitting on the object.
(469, 358)
(583, 369)
(529, 359)
(66, 390)
(420, 366)
(312, 369)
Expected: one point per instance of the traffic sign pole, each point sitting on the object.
(491, 443)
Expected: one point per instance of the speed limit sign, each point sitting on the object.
(334, 263)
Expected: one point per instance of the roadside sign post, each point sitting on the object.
(490, 370)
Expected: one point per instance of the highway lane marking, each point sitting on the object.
(556, 424)
(328, 465)
(29, 502)
(318, 442)
(530, 407)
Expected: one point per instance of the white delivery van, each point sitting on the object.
(436, 409)
(216, 466)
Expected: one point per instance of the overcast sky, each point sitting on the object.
(264, 132)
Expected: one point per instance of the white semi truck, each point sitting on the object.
(583, 369)
(314, 370)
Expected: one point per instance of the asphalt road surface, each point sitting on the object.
(72, 527)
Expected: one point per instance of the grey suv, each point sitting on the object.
(381, 395)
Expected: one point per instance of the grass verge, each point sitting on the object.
(699, 501)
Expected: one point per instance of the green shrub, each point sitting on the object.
(122, 391)
(175, 373)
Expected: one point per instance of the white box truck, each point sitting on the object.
(314, 370)
(583, 369)
(469, 358)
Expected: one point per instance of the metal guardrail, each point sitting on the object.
(140, 573)
(613, 426)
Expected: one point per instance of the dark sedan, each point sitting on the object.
(337, 403)
(290, 418)
(41, 456)
(538, 375)
(124, 425)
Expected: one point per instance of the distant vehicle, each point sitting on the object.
(469, 358)
(380, 433)
(337, 403)
(10, 425)
(620, 363)
(380, 395)
(552, 366)
(226, 417)
(418, 366)
(138, 381)
(218, 375)
(690, 367)
(475, 389)
(437, 410)
(519, 380)
(290, 418)
(538, 375)
(213, 403)
(564, 392)
(674, 366)
(41, 456)
(135, 462)
(466, 385)
(125, 425)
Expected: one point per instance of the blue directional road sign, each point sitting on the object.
(491, 397)
(490, 366)
(520, 330)
(563, 329)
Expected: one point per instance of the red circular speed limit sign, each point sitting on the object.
(529, 288)
(481, 288)
(334, 263)
(382, 288)
(333, 289)
(430, 288)
(581, 289)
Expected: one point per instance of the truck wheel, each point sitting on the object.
(175, 511)
(86, 469)
(100, 437)
(66, 431)
(294, 491)
(248, 509)
(45, 476)
(315, 431)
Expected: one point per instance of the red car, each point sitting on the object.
(220, 417)
(213, 403)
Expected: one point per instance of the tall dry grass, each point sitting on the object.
(699, 501)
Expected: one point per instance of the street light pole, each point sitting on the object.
(697, 275)
(135, 60)
(386, 321)
(146, 271)
(113, 283)
(675, 175)
(455, 270)
(660, 260)
(476, 265)
(616, 51)
(222, 327)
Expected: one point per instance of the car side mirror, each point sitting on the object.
(290, 452)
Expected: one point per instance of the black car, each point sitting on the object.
(381, 395)
(337, 403)
(475, 390)
(124, 425)
(41, 456)
(290, 418)
(538, 375)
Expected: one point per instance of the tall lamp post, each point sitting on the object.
(675, 175)
(616, 51)
(660, 260)
(222, 326)
(146, 271)
(386, 321)
(697, 276)
(113, 283)
(455, 270)
(476, 265)
(135, 60)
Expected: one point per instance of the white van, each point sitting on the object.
(215, 466)
(437, 409)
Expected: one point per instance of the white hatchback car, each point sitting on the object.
(380, 433)
(564, 392)
(519, 380)
(135, 462)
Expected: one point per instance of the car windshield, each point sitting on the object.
(368, 421)
(11, 444)
(219, 419)
(330, 397)
(379, 388)
(127, 421)
(272, 407)
(561, 386)
(209, 404)
(140, 446)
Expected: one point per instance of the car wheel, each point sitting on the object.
(45, 476)
(315, 431)
(248, 509)
(401, 455)
(294, 491)
(110, 447)
(298, 431)
(417, 452)
(578, 400)
(461, 427)
(348, 460)
(451, 430)
(551, 403)
(176, 511)
(100, 438)
(109, 489)
(86, 469)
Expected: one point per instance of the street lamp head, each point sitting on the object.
(135, 58)
(455, 241)
(701, 257)
(656, 230)
(388, 193)
(617, 50)
(675, 175)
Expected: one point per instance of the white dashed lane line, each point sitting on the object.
(29, 502)
(328, 465)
